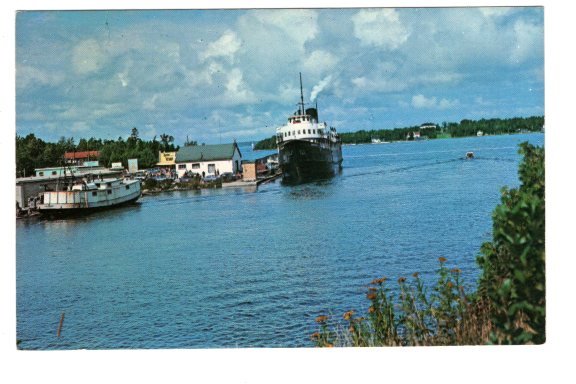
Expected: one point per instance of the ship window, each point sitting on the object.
(108, 184)
(40, 173)
(309, 132)
(293, 133)
(314, 131)
(109, 191)
(54, 172)
(320, 132)
(298, 131)
(94, 193)
(127, 187)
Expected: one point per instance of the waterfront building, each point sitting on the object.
(166, 160)
(80, 158)
(209, 159)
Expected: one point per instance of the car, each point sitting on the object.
(227, 177)
(210, 178)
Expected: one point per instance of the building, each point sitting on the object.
(79, 158)
(249, 170)
(209, 159)
(166, 160)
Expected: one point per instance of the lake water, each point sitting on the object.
(253, 268)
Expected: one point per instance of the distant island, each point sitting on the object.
(435, 131)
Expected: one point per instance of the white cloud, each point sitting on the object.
(318, 63)
(380, 28)
(421, 101)
(496, 11)
(88, 56)
(226, 46)
(28, 76)
(529, 41)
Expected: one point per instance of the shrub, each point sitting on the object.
(508, 306)
(513, 265)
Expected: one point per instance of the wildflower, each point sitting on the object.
(351, 329)
(372, 289)
(456, 270)
(442, 259)
(449, 284)
(415, 275)
(315, 336)
(328, 345)
(371, 296)
(371, 309)
(321, 319)
(378, 281)
(348, 315)
(401, 280)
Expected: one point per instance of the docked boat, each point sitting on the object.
(307, 148)
(87, 195)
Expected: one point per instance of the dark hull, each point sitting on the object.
(304, 161)
(75, 212)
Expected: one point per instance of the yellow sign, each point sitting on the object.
(167, 158)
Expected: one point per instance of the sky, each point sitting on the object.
(221, 75)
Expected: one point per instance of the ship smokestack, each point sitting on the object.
(301, 96)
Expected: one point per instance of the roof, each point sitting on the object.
(81, 155)
(206, 152)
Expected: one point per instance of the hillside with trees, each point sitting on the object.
(33, 152)
(435, 131)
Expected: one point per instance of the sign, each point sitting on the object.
(117, 166)
(167, 158)
(132, 165)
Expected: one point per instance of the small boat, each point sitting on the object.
(469, 155)
(87, 195)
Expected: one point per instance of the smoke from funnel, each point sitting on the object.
(319, 87)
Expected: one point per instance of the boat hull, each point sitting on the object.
(109, 194)
(303, 161)
(67, 210)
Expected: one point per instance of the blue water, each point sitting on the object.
(253, 268)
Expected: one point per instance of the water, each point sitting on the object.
(242, 268)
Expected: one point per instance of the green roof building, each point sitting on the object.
(209, 159)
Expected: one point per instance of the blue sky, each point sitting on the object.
(219, 75)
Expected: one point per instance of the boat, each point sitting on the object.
(86, 195)
(307, 148)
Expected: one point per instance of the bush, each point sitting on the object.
(507, 308)
(513, 265)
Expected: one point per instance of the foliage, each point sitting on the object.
(513, 263)
(508, 306)
(269, 143)
(32, 152)
(433, 131)
(445, 317)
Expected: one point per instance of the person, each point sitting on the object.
(203, 174)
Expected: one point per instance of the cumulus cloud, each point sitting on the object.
(226, 46)
(380, 28)
(421, 101)
(88, 56)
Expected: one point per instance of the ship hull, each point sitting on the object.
(109, 194)
(303, 161)
(75, 210)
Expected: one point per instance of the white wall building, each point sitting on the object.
(209, 159)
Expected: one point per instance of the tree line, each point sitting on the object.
(433, 131)
(33, 152)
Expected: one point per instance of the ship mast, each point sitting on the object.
(301, 95)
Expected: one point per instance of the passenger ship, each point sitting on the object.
(307, 149)
(84, 196)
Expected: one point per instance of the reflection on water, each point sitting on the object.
(253, 267)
